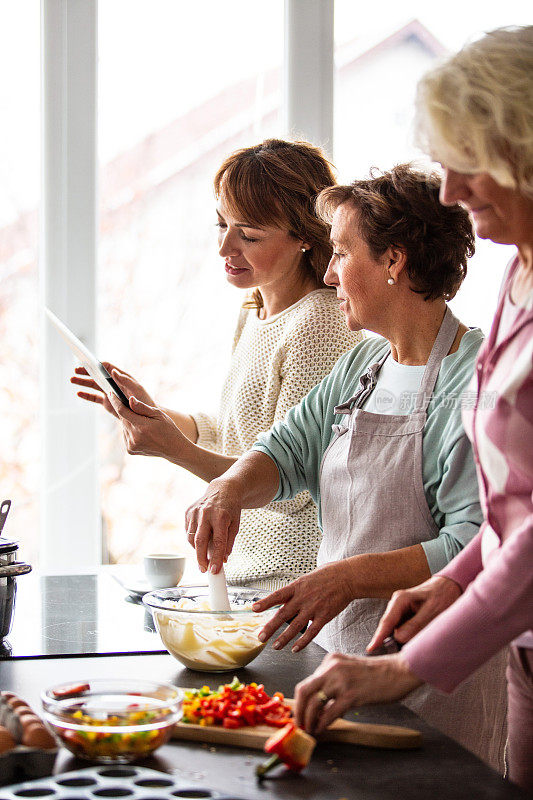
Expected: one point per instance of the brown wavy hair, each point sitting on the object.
(276, 183)
(401, 208)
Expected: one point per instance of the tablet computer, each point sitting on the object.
(95, 368)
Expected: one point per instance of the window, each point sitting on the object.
(180, 86)
(19, 282)
(189, 87)
(381, 51)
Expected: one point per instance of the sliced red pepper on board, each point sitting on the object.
(276, 722)
(232, 723)
(274, 703)
(244, 704)
(70, 690)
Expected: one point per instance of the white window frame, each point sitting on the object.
(71, 532)
(71, 529)
(309, 71)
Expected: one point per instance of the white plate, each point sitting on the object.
(131, 578)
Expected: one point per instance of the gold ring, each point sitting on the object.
(322, 696)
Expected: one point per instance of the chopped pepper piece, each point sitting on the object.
(70, 690)
(290, 745)
(235, 705)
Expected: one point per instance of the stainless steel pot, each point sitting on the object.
(8, 551)
(9, 567)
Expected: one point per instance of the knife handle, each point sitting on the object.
(390, 645)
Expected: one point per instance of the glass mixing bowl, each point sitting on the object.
(112, 721)
(205, 640)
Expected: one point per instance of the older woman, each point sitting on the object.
(379, 443)
(476, 112)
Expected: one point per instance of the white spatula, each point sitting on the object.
(218, 591)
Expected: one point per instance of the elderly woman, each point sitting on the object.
(476, 113)
(379, 443)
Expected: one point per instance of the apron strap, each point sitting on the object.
(367, 381)
(441, 348)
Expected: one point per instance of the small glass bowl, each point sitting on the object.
(112, 721)
(204, 640)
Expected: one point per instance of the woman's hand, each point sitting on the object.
(342, 682)
(127, 383)
(315, 598)
(419, 605)
(212, 524)
(147, 429)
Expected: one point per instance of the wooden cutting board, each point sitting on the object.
(361, 733)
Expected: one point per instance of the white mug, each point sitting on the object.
(164, 570)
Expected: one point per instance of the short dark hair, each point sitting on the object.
(401, 208)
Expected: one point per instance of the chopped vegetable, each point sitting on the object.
(235, 705)
(291, 745)
(112, 743)
(70, 690)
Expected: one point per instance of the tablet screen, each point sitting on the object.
(95, 368)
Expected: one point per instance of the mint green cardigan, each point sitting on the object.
(297, 444)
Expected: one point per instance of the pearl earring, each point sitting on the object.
(391, 281)
(303, 249)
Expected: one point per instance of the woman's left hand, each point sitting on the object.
(147, 429)
(342, 682)
(314, 598)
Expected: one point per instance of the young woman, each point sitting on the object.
(289, 335)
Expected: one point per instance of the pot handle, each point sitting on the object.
(14, 570)
(4, 511)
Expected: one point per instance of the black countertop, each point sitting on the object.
(441, 769)
(69, 615)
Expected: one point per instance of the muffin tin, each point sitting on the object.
(25, 762)
(127, 782)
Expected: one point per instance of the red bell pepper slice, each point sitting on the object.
(70, 690)
(231, 723)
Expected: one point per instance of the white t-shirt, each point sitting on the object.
(396, 388)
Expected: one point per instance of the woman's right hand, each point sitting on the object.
(147, 430)
(212, 524)
(96, 395)
(410, 610)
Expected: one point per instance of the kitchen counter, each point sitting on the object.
(68, 615)
(440, 769)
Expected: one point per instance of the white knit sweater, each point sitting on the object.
(275, 362)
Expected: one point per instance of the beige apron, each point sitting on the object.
(373, 500)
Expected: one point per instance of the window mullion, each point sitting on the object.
(71, 528)
(308, 72)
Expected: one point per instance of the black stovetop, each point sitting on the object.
(68, 615)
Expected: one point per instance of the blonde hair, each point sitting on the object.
(275, 183)
(475, 110)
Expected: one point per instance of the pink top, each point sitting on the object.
(495, 570)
